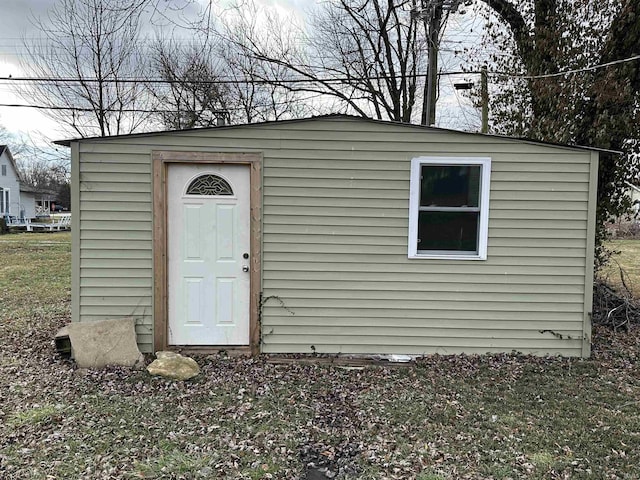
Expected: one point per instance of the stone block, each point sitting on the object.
(173, 365)
(105, 342)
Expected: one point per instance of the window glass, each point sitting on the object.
(450, 231)
(450, 185)
(209, 184)
(4, 170)
(449, 207)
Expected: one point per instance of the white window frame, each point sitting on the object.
(6, 201)
(414, 207)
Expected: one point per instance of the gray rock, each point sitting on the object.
(105, 342)
(173, 365)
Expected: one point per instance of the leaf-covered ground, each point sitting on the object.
(494, 417)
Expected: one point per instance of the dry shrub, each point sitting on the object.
(615, 306)
(624, 230)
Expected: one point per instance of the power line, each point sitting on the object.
(567, 72)
(226, 81)
(169, 111)
(344, 79)
(85, 109)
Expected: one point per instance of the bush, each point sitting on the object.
(3, 226)
(614, 307)
(627, 230)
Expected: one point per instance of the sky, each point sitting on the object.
(454, 111)
(15, 16)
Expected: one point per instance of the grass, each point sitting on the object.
(492, 417)
(627, 258)
(34, 277)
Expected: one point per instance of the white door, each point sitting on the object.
(208, 254)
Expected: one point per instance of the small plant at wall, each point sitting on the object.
(264, 300)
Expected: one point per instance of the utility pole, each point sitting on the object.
(431, 13)
(429, 103)
(484, 94)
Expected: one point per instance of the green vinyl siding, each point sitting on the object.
(335, 226)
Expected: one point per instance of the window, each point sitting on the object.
(449, 208)
(4, 170)
(4, 201)
(209, 184)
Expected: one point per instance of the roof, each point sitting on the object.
(5, 148)
(28, 188)
(40, 191)
(67, 143)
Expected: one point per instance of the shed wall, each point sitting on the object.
(335, 225)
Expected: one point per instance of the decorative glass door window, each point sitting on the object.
(449, 208)
(209, 185)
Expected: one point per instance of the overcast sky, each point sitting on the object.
(17, 15)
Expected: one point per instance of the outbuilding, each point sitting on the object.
(336, 235)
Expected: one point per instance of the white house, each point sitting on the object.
(9, 184)
(633, 191)
(16, 197)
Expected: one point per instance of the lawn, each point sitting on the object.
(626, 259)
(493, 417)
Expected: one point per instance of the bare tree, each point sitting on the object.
(252, 98)
(189, 98)
(210, 81)
(369, 55)
(43, 174)
(93, 45)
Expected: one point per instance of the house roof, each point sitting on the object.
(40, 191)
(5, 148)
(28, 188)
(67, 142)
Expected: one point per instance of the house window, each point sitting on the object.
(209, 184)
(5, 201)
(4, 170)
(449, 208)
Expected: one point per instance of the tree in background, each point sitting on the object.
(259, 99)
(94, 44)
(40, 167)
(369, 56)
(536, 39)
(211, 80)
(188, 100)
(43, 174)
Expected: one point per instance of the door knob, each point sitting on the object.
(245, 268)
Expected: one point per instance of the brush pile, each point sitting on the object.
(614, 307)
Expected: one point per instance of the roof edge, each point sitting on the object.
(67, 143)
(5, 148)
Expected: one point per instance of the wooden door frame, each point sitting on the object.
(160, 162)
